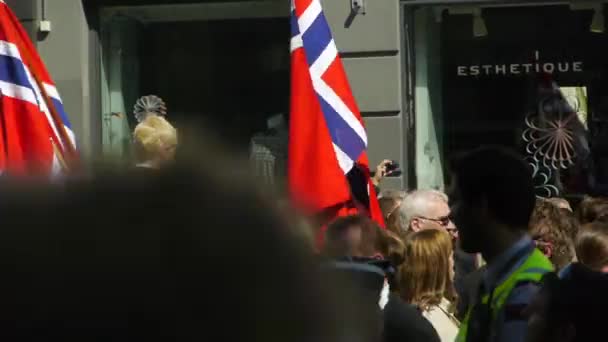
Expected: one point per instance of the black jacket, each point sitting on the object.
(403, 322)
(398, 321)
(469, 288)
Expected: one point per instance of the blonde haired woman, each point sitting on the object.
(155, 139)
(426, 279)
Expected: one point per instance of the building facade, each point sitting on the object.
(431, 77)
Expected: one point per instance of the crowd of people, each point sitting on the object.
(514, 262)
(176, 248)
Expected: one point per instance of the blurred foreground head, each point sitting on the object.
(569, 309)
(185, 254)
(491, 194)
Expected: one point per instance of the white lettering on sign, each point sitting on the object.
(519, 68)
(548, 67)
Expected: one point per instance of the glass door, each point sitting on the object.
(428, 100)
(120, 83)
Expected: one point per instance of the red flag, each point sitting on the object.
(328, 170)
(29, 135)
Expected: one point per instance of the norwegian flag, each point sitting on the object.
(35, 133)
(328, 169)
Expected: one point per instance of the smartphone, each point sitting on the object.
(393, 170)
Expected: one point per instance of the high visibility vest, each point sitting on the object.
(532, 270)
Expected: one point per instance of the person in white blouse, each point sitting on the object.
(426, 277)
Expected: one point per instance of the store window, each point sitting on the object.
(534, 78)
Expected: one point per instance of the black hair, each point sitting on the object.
(502, 178)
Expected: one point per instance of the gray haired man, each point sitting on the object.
(426, 209)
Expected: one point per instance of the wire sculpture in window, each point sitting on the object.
(555, 138)
(543, 179)
(550, 136)
(149, 105)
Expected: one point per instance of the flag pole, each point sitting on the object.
(65, 142)
(62, 162)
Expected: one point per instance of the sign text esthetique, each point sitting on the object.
(519, 68)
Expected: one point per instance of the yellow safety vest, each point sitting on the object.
(532, 270)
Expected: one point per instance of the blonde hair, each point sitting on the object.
(424, 277)
(152, 135)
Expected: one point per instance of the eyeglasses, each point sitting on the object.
(444, 221)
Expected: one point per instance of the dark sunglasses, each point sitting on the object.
(443, 221)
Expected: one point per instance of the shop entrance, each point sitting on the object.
(534, 78)
(223, 66)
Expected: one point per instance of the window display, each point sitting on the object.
(537, 81)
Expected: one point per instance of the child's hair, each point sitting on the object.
(153, 135)
(592, 245)
(593, 209)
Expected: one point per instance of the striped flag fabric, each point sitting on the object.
(32, 141)
(328, 169)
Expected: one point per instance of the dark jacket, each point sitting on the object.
(469, 288)
(403, 322)
(397, 321)
(465, 264)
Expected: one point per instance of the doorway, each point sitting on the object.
(221, 66)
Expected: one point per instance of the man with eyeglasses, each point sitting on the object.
(426, 209)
